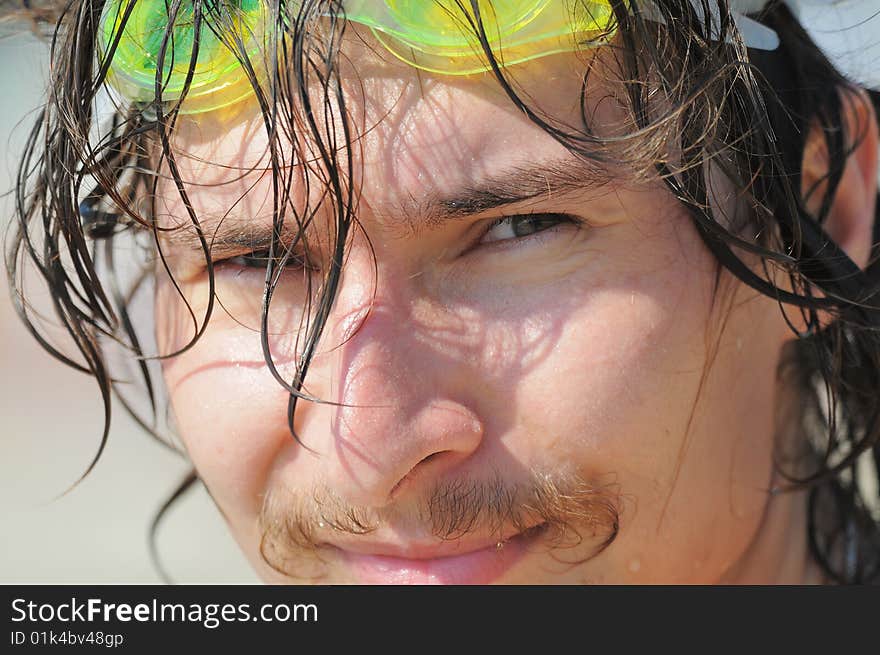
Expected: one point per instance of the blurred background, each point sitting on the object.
(50, 416)
(50, 428)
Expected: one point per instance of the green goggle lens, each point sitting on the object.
(441, 35)
(440, 23)
(434, 35)
(218, 78)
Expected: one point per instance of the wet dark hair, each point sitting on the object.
(84, 186)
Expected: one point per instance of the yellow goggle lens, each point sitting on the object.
(441, 36)
(218, 78)
(433, 35)
(445, 22)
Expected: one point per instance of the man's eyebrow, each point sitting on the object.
(413, 216)
(516, 185)
(224, 239)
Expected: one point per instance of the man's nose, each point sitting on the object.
(404, 419)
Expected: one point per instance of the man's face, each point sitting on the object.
(508, 384)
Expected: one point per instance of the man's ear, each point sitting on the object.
(850, 221)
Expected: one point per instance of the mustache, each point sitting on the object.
(297, 526)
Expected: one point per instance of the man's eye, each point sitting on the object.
(518, 227)
(260, 259)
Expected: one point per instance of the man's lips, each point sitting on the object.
(447, 562)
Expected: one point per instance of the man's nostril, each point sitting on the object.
(429, 458)
(414, 472)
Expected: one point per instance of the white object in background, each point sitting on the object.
(848, 31)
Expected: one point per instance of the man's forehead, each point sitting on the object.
(454, 140)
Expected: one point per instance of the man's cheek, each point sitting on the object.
(232, 423)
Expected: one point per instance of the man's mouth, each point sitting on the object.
(453, 562)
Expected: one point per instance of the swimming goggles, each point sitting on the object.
(134, 44)
(439, 36)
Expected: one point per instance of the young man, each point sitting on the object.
(476, 292)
